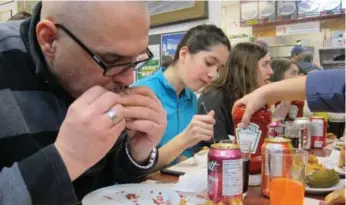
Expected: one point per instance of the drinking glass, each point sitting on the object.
(287, 177)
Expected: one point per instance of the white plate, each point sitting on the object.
(144, 194)
(339, 170)
(310, 201)
(332, 163)
(310, 190)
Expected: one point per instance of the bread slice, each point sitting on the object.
(337, 197)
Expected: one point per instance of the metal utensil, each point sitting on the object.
(206, 112)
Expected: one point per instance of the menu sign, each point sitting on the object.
(267, 11)
(249, 13)
(330, 7)
(287, 10)
(308, 8)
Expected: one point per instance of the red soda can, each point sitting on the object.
(318, 127)
(275, 128)
(225, 174)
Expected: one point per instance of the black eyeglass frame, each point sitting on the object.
(106, 67)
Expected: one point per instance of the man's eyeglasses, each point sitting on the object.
(116, 68)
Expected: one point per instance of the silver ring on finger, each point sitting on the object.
(113, 115)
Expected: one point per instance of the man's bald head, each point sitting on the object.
(92, 14)
(116, 31)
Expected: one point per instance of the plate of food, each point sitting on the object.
(320, 179)
(324, 190)
(340, 171)
(133, 194)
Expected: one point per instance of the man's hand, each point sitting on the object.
(146, 121)
(88, 133)
(201, 128)
(252, 102)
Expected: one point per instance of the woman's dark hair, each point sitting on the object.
(20, 16)
(240, 76)
(201, 38)
(280, 66)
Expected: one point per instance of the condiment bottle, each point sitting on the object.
(255, 132)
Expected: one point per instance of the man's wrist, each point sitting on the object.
(146, 160)
(73, 168)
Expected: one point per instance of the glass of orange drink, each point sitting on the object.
(287, 177)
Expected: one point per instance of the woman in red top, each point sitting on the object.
(289, 110)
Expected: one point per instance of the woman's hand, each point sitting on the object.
(201, 128)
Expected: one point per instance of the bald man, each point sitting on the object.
(68, 123)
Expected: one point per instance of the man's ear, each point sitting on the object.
(46, 33)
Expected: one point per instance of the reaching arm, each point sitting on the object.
(324, 90)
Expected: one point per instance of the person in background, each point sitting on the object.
(248, 67)
(201, 53)
(283, 69)
(304, 59)
(286, 69)
(262, 43)
(328, 96)
(68, 124)
(20, 16)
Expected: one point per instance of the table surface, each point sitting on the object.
(254, 196)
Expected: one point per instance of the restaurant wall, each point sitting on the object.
(214, 10)
(333, 24)
(231, 25)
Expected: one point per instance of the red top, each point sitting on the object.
(295, 110)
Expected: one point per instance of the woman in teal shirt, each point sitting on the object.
(203, 50)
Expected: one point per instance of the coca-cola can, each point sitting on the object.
(275, 128)
(318, 132)
(305, 133)
(225, 174)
